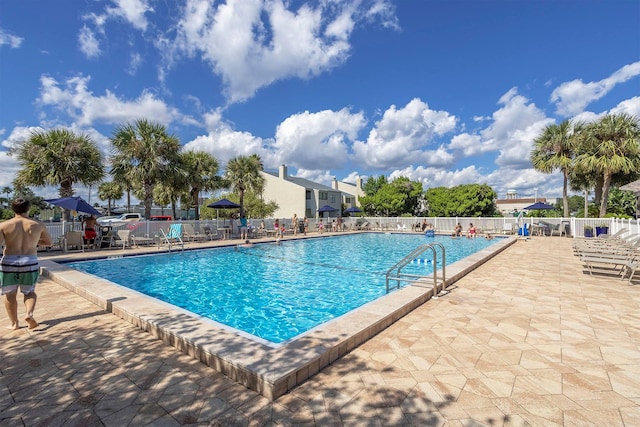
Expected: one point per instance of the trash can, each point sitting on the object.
(300, 227)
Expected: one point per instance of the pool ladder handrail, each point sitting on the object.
(395, 272)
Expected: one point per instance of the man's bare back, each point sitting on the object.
(21, 236)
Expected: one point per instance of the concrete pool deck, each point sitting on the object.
(526, 339)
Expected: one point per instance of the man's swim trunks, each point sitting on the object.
(19, 271)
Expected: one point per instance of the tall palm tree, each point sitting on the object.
(553, 150)
(110, 191)
(615, 149)
(58, 157)
(202, 175)
(144, 154)
(242, 174)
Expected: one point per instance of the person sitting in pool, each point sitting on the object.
(471, 232)
(457, 231)
(424, 225)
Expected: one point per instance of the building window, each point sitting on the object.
(308, 194)
(323, 195)
(347, 200)
(333, 198)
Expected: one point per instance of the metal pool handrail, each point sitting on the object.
(395, 272)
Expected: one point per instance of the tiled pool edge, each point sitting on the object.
(271, 372)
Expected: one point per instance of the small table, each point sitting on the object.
(226, 232)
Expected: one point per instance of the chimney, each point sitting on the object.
(334, 184)
(359, 183)
(283, 172)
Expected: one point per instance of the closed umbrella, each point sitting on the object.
(77, 204)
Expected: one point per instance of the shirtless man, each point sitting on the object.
(19, 264)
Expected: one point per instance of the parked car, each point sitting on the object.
(119, 220)
(161, 218)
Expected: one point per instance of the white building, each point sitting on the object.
(303, 197)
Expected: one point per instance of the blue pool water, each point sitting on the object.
(276, 292)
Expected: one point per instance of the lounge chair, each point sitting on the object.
(75, 239)
(173, 237)
(123, 238)
(508, 228)
(210, 233)
(189, 234)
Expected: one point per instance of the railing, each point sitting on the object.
(395, 273)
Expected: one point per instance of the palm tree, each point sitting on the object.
(553, 149)
(144, 154)
(7, 191)
(614, 143)
(242, 174)
(110, 191)
(58, 157)
(202, 170)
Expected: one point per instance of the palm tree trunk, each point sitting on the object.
(196, 201)
(605, 194)
(565, 195)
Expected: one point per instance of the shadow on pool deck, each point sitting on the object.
(526, 339)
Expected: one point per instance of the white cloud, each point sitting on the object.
(75, 99)
(317, 140)
(403, 136)
(132, 11)
(134, 64)
(512, 131)
(10, 40)
(89, 45)
(572, 97)
(629, 106)
(253, 43)
(224, 143)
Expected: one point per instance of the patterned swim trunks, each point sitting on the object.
(19, 271)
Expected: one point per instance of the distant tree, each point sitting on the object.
(553, 150)
(610, 147)
(7, 191)
(110, 191)
(201, 175)
(243, 174)
(58, 157)
(145, 154)
(463, 200)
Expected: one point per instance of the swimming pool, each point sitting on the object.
(276, 292)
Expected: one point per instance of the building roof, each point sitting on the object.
(302, 182)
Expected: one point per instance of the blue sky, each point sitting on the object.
(442, 92)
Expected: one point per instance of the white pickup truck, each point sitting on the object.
(119, 220)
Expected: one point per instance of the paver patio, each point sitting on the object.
(526, 339)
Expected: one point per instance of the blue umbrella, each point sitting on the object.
(327, 208)
(353, 209)
(537, 206)
(77, 204)
(223, 204)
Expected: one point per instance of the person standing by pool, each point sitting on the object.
(90, 234)
(19, 268)
(294, 224)
(243, 227)
(305, 224)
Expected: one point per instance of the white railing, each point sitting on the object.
(575, 226)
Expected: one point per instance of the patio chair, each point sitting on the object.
(172, 238)
(123, 238)
(75, 239)
(558, 230)
(210, 233)
(189, 234)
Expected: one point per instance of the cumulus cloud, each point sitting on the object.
(89, 45)
(572, 97)
(75, 99)
(253, 43)
(224, 143)
(511, 132)
(317, 140)
(9, 39)
(132, 11)
(405, 136)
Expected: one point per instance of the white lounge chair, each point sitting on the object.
(173, 237)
